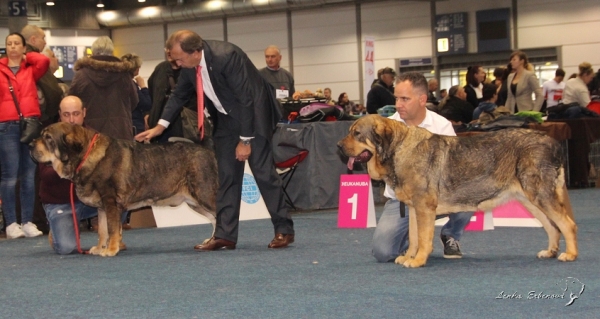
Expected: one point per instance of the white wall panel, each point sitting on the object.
(207, 29)
(147, 42)
(575, 54)
(4, 32)
(343, 72)
(326, 55)
(254, 33)
(400, 29)
(572, 24)
(144, 41)
(565, 34)
(402, 48)
(557, 12)
(325, 50)
(74, 37)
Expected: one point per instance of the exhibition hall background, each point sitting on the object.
(323, 45)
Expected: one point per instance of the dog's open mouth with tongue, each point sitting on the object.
(363, 157)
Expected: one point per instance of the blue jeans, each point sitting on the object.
(16, 164)
(60, 219)
(390, 239)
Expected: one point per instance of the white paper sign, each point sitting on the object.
(252, 207)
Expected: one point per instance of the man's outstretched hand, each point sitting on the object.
(146, 136)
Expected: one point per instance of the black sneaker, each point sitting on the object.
(451, 247)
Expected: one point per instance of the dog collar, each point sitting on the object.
(87, 152)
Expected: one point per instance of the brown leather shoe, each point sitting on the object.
(281, 240)
(215, 244)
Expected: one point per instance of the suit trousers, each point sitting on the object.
(231, 175)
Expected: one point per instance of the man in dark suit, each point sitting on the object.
(245, 113)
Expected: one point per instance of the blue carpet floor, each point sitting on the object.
(327, 273)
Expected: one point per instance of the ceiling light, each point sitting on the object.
(100, 4)
(49, 3)
(141, 0)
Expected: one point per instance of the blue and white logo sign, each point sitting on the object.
(250, 192)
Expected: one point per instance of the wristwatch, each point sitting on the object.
(246, 142)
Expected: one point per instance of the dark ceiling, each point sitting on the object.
(115, 4)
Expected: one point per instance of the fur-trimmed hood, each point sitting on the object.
(103, 70)
(104, 63)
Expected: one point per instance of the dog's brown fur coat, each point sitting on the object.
(435, 174)
(123, 175)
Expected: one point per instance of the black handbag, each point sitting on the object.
(31, 127)
(189, 123)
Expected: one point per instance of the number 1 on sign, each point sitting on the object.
(354, 201)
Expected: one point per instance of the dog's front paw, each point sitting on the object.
(109, 252)
(95, 250)
(400, 260)
(567, 257)
(415, 262)
(547, 254)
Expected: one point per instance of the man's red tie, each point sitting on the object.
(200, 93)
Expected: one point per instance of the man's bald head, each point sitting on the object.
(272, 57)
(34, 36)
(71, 110)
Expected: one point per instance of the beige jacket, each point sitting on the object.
(527, 85)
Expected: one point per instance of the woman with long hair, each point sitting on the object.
(20, 71)
(475, 77)
(521, 84)
(576, 89)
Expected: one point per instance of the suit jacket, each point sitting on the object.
(527, 84)
(244, 93)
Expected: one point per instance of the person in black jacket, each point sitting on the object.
(161, 84)
(382, 91)
(245, 112)
(455, 108)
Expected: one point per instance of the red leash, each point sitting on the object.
(75, 219)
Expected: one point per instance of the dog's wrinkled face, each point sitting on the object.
(368, 136)
(56, 145)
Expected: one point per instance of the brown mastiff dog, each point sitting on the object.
(435, 174)
(116, 175)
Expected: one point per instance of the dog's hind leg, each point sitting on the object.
(553, 211)
(566, 223)
(102, 234)
(210, 215)
(551, 230)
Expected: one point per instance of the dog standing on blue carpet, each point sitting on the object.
(117, 175)
(434, 175)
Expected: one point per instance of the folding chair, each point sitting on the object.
(286, 170)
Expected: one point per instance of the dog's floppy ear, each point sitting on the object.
(61, 145)
(74, 139)
(383, 136)
(66, 140)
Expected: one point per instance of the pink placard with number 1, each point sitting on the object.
(356, 208)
